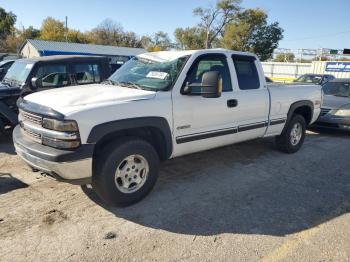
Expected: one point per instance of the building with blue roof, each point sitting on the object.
(117, 55)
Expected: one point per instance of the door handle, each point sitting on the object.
(232, 103)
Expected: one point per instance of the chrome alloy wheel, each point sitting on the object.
(296, 134)
(131, 174)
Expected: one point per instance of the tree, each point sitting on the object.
(160, 41)
(110, 32)
(251, 32)
(75, 36)
(53, 30)
(214, 20)
(30, 33)
(13, 42)
(146, 42)
(190, 38)
(287, 57)
(7, 22)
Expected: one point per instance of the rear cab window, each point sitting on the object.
(247, 73)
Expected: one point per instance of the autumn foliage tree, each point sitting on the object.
(230, 26)
(110, 32)
(251, 32)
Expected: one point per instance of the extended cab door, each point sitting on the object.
(252, 111)
(202, 123)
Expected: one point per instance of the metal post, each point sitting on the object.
(66, 29)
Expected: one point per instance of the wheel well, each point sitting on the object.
(304, 111)
(152, 135)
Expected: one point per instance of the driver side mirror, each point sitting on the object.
(36, 83)
(209, 88)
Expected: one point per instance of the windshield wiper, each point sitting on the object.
(129, 84)
(109, 82)
(11, 82)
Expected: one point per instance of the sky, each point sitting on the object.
(306, 23)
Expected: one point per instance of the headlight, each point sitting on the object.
(64, 134)
(343, 112)
(60, 125)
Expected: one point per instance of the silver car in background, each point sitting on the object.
(335, 111)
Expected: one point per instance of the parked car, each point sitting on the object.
(4, 67)
(26, 76)
(158, 106)
(335, 111)
(318, 79)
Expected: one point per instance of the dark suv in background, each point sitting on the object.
(26, 76)
(4, 67)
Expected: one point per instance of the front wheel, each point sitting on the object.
(292, 138)
(125, 172)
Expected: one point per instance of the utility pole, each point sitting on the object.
(66, 28)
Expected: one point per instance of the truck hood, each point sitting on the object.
(69, 98)
(335, 102)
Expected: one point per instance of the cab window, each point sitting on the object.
(53, 75)
(44, 70)
(210, 63)
(247, 74)
(87, 73)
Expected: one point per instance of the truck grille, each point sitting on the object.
(31, 118)
(28, 119)
(325, 111)
(34, 136)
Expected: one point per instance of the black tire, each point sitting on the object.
(103, 179)
(284, 141)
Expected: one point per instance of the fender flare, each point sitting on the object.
(298, 104)
(8, 113)
(104, 129)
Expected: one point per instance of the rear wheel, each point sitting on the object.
(126, 172)
(292, 138)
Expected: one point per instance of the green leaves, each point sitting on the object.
(230, 26)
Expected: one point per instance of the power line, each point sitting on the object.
(320, 36)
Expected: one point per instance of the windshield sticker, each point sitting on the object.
(156, 74)
(29, 66)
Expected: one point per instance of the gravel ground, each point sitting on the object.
(244, 202)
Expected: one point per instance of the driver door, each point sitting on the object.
(202, 123)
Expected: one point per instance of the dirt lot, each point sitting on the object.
(245, 202)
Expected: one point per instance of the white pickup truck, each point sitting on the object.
(158, 106)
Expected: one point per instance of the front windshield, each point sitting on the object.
(149, 74)
(309, 79)
(337, 89)
(19, 71)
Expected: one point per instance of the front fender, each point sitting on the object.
(102, 130)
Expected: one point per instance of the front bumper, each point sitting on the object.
(73, 166)
(334, 122)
